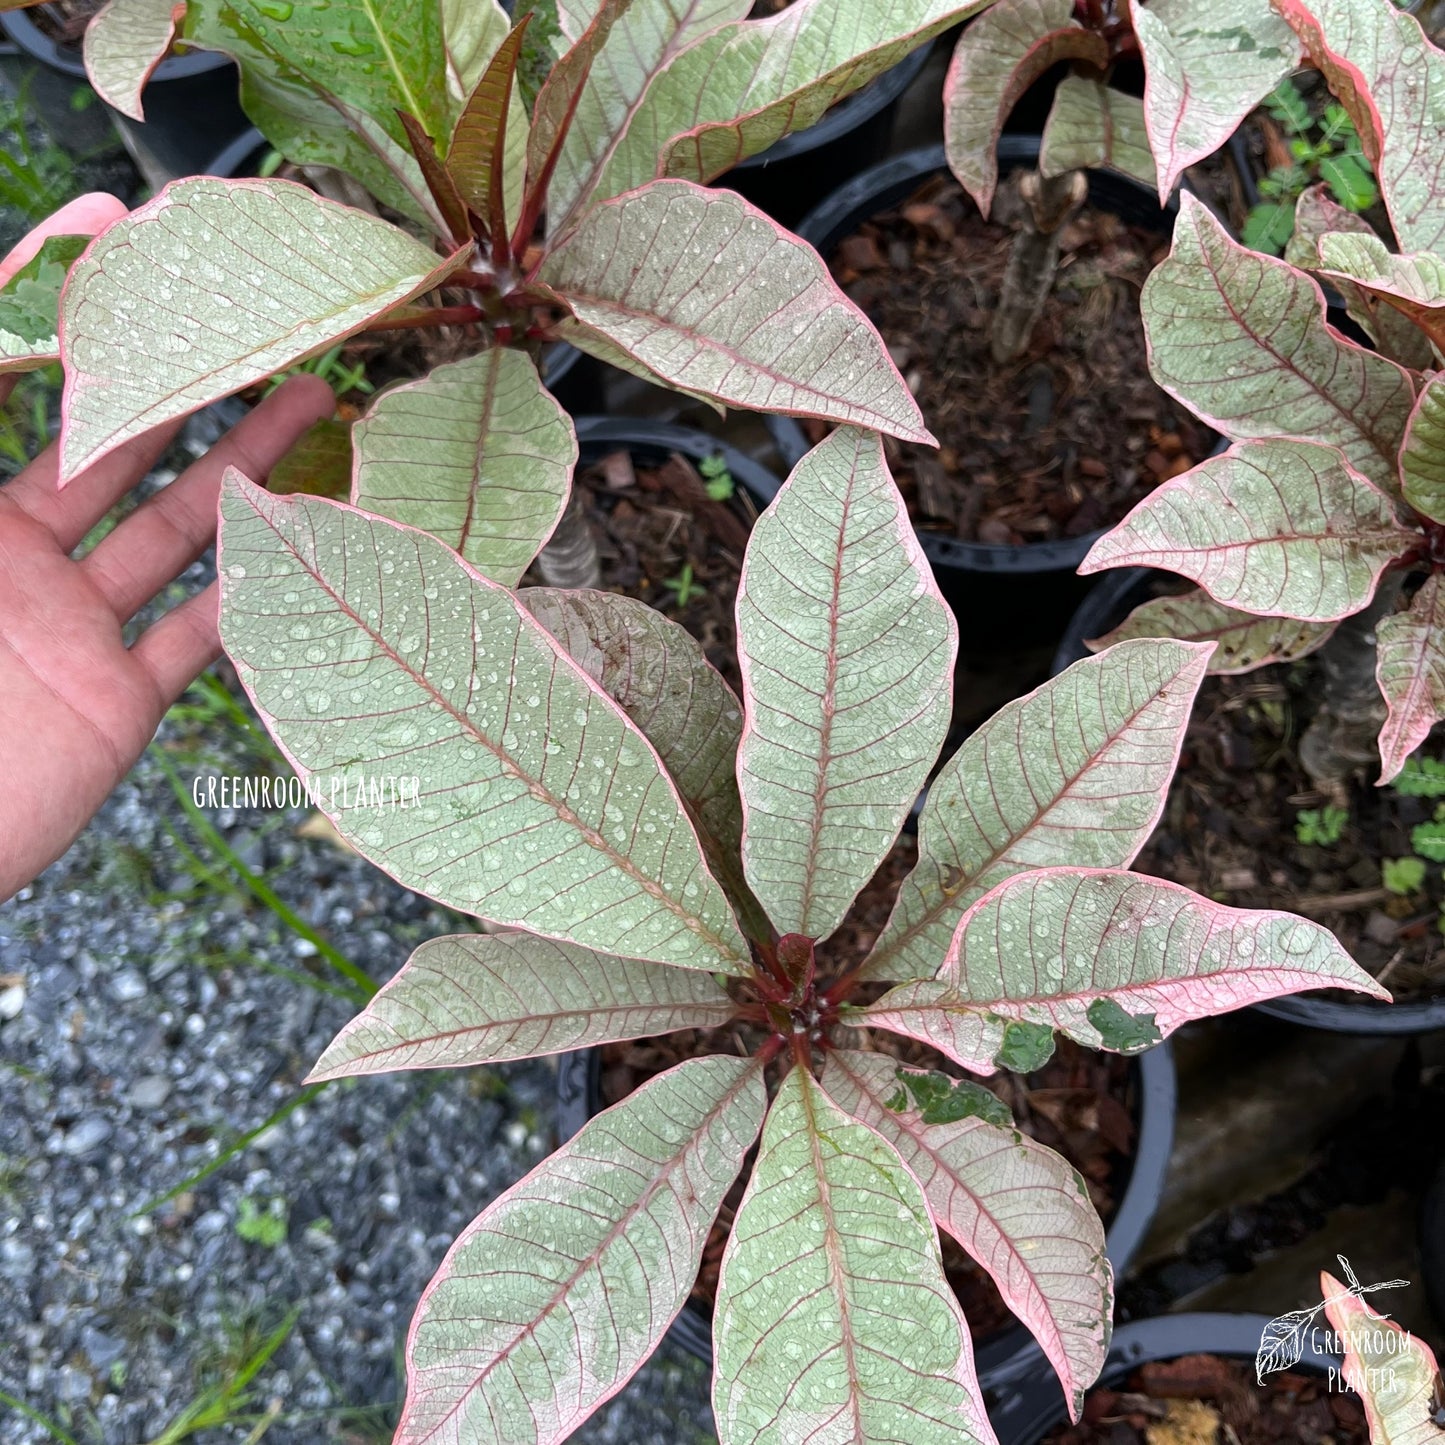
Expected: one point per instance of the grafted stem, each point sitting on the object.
(1034, 258)
(1342, 737)
(570, 559)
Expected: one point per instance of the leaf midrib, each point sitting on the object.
(639, 1208)
(593, 839)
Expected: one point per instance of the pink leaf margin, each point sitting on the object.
(1167, 999)
(917, 559)
(130, 105)
(1416, 708)
(250, 490)
(75, 386)
(1071, 43)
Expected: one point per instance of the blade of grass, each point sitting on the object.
(36, 1418)
(237, 1146)
(257, 885)
(217, 1406)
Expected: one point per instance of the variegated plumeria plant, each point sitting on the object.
(1207, 64)
(653, 854)
(1303, 534)
(581, 218)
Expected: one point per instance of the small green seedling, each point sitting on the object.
(262, 1223)
(1326, 150)
(720, 484)
(683, 588)
(1428, 839)
(1322, 827)
(1421, 778)
(1402, 876)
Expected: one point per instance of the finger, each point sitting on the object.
(177, 649)
(86, 215)
(170, 531)
(68, 515)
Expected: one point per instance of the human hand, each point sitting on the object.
(77, 707)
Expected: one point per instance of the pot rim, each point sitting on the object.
(48, 51)
(873, 190)
(1033, 1403)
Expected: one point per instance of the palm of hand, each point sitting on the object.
(77, 707)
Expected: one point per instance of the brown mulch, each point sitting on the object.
(1209, 1400)
(1228, 832)
(1057, 444)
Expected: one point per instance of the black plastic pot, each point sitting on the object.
(192, 101)
(1432, 1241)
(1110, 601)
(653, 442)
(566, 373)
(793, 175)
(579, 1097)
(1033, 586)
(1031, 1403)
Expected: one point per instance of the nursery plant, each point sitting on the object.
(1328, 511)
(1206, 66)
(579, 218)
(649, 853)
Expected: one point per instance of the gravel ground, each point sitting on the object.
(141, 1030)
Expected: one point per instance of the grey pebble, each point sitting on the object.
(149, 1091)
(86, 1135)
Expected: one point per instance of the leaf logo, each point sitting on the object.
(1282, 1341)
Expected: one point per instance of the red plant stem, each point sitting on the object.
(840, 989)
(802, 1054)
(770, 1049)
(436, 316)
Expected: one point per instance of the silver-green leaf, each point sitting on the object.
(373, 651)
(1242, 340)
(1076, 772)
(658, 674)
(1114, 960)
(847, 653)
(1277, 528)
(477, 453)
(553, 1297)
(1019, 1209)
(476, 998)
(834, 1321)
(1243, 641)
(1206, 66)
(1092, 125)
(217, 284)
(671, 274)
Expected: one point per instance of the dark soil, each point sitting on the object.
(1229, 832)
(1057, 444)
(652, 524)
(1208, 1400)
(1080, 1103)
